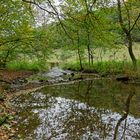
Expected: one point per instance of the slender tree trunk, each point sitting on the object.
(92, 57)
(80, 58)
(130, 50)
(88, 47)
(79, 54)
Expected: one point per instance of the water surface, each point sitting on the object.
(88, 110)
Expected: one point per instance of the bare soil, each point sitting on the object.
(7, 131)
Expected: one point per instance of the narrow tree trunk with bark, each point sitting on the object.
(88, 48)
(80, 59)
(92, 57)
(78, 51)
(130, 50)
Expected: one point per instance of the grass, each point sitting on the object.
(25, 65)
(101, 67)
(105, 61)
(108, 61)
(105, 67)
(120, 53)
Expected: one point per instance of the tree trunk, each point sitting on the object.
(92, 57)
(80, 59)
(88, 48)
(130, 50)
(79, 54)
(128, 31)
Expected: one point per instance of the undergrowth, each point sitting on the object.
(25, 65)
(104, 67)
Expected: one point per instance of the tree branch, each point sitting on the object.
(135, 23)
(120, 17)
(58, 17)
(128, 15)
(18, 39)
(9, 41)
(33, 2)
(52, 13)
(91, 6)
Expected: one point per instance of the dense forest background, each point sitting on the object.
(103, 36)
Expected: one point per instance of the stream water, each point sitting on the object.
(98, 109)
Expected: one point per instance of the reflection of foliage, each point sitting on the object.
(97, 93)
(67, 119)
(29, 120)
(28, 123)
(73, 116)
(83, 123)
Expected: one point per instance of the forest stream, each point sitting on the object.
(69, 69)
(99, 109)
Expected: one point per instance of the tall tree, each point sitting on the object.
(14, 24)
(128, 23)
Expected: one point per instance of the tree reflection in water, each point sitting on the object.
(71, 112)
(124, 118)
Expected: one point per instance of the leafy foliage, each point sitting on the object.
(82, 26)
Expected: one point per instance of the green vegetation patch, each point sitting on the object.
(25, 65)
(104, 67)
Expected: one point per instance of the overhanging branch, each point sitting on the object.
(9, 41)
(52, 13)
(33, 2)
(135, 23)
(18, 40)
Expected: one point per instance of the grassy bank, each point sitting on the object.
(101, 67)
(105, 67)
